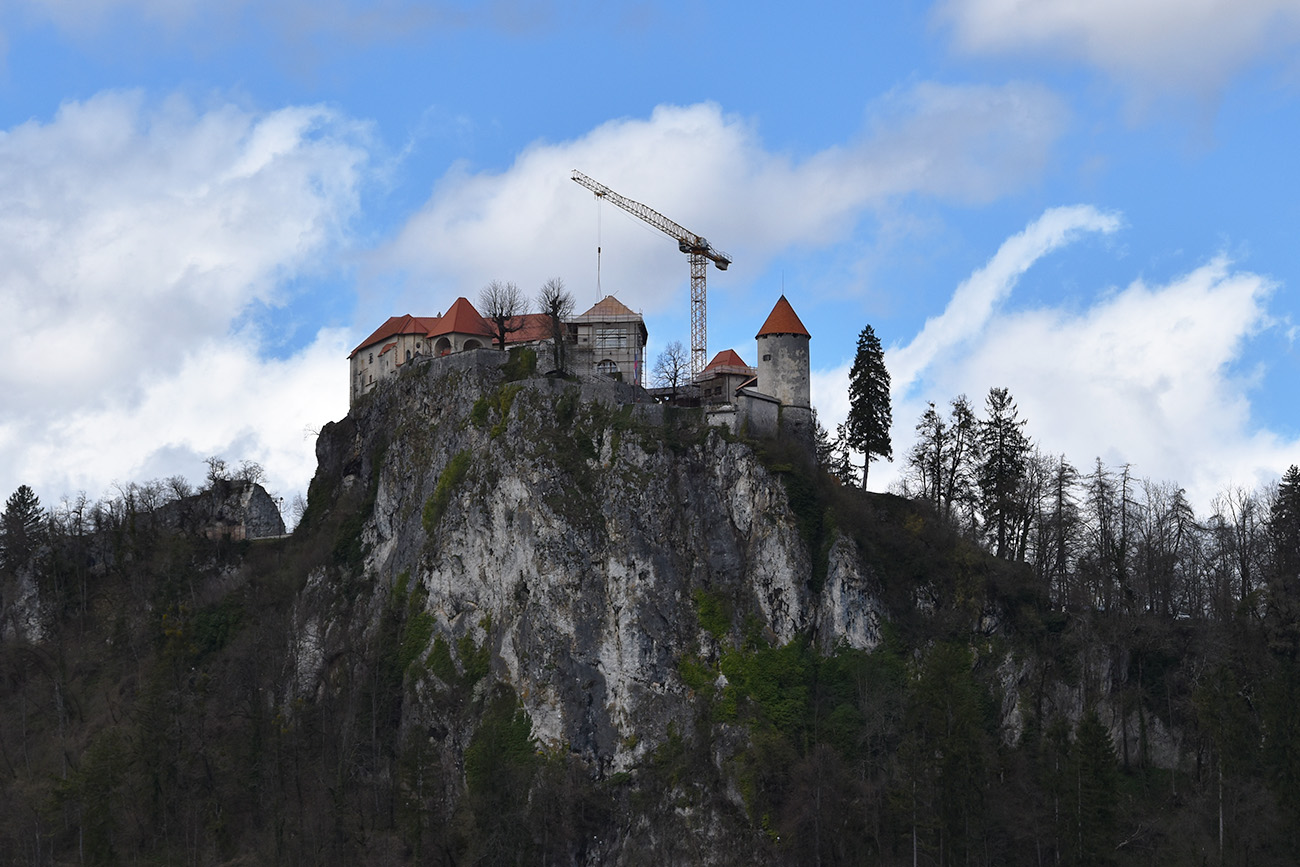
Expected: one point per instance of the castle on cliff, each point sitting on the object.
(608, 341)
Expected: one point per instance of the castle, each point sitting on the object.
(608, 341)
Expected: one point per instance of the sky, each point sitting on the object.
(205, 205)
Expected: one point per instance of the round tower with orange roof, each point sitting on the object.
(783, 365)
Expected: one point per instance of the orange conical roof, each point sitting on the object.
(783, 320)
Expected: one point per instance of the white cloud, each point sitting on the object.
(1153, 45)
(975, 300)
(223, 399)
(1144, 375)
(132, 239)
(711, 173)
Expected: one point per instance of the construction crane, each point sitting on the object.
(697, 249)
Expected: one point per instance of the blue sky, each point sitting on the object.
(203, 206)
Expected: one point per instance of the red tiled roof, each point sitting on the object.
(387, 346)
(395, 325)
(533, 327)
(726, 358)
(783, 320)
(461, 318)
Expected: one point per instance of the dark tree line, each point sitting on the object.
(1102, 539)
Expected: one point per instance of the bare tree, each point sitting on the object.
(557, 304)
(251, 472)
(299, 508)
(672, 367)
(504, 306)
(179, 486)
(217, 469)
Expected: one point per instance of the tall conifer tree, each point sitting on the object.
(1006, 453)
(21, 527)
(869, 411)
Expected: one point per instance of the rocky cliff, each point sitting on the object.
(572, 534)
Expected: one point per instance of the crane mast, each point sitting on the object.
(698, 251)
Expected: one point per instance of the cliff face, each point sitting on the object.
(574, 534)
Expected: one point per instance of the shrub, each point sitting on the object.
(713, 612)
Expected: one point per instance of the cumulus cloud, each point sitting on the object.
(974, 302)
(133, 238)
(224, 398)
(710, 172)
(1144, 375)
(1155, 46)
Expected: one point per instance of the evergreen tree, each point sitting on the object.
(1284, 527)
(21, 527)
(832, 453)
(949, 753)
(1284, 566)
(869, 412)
(1006, 455)
(822, 445)
(1096, 781)
(841, 463)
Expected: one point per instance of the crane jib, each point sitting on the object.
(689, 243)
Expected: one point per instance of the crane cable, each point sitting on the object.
(599, 294)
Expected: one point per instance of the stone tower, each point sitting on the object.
(783, 370)
(783, 366)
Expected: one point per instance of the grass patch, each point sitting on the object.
(415, 637)
(522, 364)
(440, 662)
(452, 475)
(713, 611)
(496, 405)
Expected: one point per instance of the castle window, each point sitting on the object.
(372, 358)
(767, 358)
(408, 355)
(607, 367)
(611, 338)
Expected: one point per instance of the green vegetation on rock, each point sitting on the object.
(452, 475)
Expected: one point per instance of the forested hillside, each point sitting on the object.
(522, 622)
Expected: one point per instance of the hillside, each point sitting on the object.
(528, 620)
